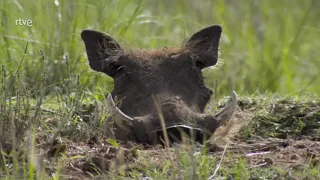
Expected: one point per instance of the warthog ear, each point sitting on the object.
(102, 51)
(205, 44)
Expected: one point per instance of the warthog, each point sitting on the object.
(162, 92)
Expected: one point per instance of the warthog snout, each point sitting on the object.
(162, 92)
(180, 120)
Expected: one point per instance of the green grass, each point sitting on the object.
(266, 45)
(50, 99)
(63, 130)
(282, 117)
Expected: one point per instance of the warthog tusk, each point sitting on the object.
(226, 113)
(114, 109)
(175, 133)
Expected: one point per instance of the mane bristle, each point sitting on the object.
(146, 54)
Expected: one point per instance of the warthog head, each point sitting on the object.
(162, 92)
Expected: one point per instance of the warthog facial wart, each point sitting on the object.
(172, 75)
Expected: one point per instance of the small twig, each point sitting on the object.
(48, 111)
(258, 165)
(74, 168)
(285, 161)
(44, 110)
(258, 153)
(219, 164)
(257, 146)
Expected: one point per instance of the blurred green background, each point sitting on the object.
(267, 45)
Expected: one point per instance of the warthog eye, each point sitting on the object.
(120, 69)
(199, 64)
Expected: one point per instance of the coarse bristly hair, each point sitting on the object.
(157, 55)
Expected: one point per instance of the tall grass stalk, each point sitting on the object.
(265, 45)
